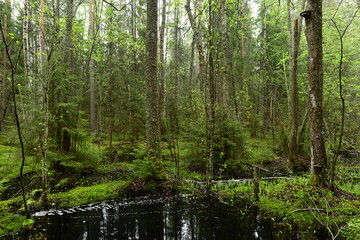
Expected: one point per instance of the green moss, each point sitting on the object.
(297, 201)
(10, 161)
(10, 222)
(83, 195)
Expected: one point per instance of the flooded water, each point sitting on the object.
(155, 219)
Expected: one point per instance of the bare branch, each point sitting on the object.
(341, 93)
(111, 4)
(309, 209)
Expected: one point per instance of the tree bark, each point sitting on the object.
(46, 78)
(110, 94)
(212, 96)
(26, 40)
(224, 101)
(162, 62)
(199, 45)
(91, 70)
(243, 47)
(293, 146)
(64, 133)
(313, 31)
(152, 103)
(4, 94)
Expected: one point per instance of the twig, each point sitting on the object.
(111, 4)
(309, 209)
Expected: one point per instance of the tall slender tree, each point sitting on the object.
(293, 146)
(197, 31)
(3, 93)
(212, 102)
(313, 31)
(162, 61)
(92, 68)
(44, 69)
(152, 96)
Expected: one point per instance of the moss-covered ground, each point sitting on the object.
(299, 206)
(293, 204)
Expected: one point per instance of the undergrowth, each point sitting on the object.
(299, 203)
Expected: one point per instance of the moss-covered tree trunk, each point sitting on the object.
(152, 103)
(313, 31)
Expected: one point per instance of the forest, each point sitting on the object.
(242, 101)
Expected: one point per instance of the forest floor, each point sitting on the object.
(291, 203)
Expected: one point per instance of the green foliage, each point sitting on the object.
(349, 178)
(27, 223)
(260, 149)
(297, 201)
(86, 154)
(243, 188)
(352, 187)
(10, 161)
(352, 229)
(146, 169)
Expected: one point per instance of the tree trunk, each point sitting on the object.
(134, 68)
(293, 145)
(4, 94)
(91, 70)
(110, 93)
(313, 31)
(46, 78)
(243, 47)
(224, 101)
(64, 133)
(199, 44)
(26, 40)
(212, 95)
(162, 63)
(152, 99)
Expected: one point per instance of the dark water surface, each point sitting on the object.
(155, 219)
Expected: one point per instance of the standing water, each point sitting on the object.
(154, 219)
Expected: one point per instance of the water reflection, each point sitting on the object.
(155, 219)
